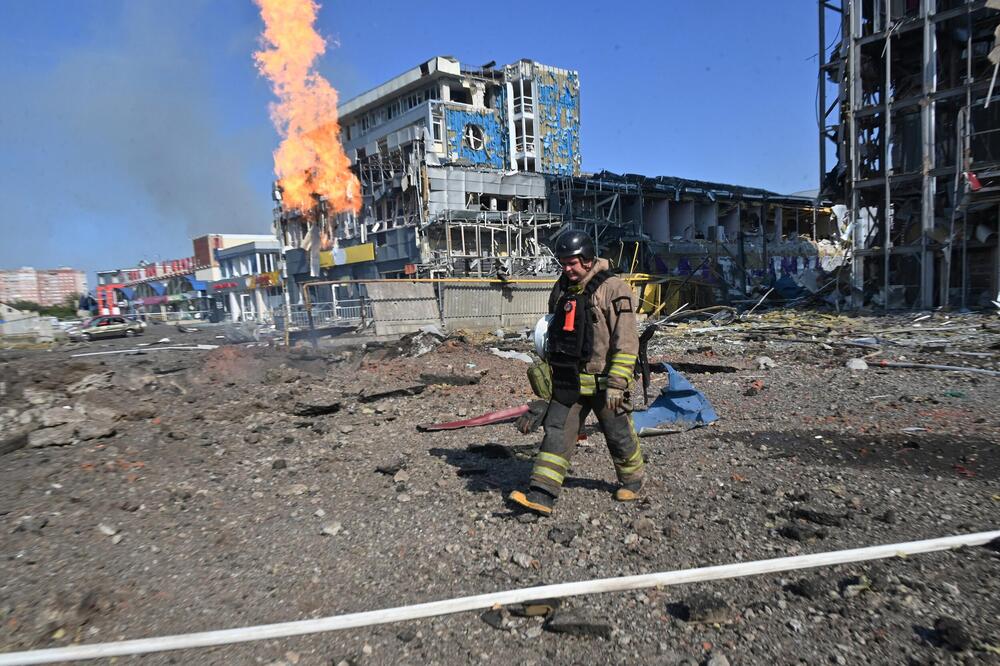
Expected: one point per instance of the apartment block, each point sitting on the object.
(50, 286)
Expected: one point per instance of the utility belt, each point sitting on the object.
(568, 384)
(541, 376)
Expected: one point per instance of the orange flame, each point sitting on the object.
(310, 158)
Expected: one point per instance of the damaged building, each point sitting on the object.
(910, 147)
(472, 172)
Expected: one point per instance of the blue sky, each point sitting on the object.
(129, 126)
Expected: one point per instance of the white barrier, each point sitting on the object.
(478, 602)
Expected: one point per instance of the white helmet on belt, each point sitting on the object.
(542, 335)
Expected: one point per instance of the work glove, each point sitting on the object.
(532, 419)
(615, 399)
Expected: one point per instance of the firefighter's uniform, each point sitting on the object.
(613, 348)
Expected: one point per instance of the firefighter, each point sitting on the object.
(591, 348)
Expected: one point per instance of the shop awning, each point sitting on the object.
(159, 287)
(127, 292)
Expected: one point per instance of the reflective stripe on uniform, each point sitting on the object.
(548, 473)
(591, 384)
(631, 464)
(552, 458)
(619, 371)
(622, 365)
(622, 358)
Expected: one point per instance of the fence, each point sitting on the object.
(183, 315)
(402, 306)
(326, 314)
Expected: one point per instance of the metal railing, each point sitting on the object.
(185, 315)
(324, 314)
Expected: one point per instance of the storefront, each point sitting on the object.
(269, 294)
(231, 296)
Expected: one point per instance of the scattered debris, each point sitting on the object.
(391, 467)
(516, 355)
(706, 608)
(372, 395)
(578, 623)
(535, 608)
(931, 366)
(856, 364)
(765, 363)
(317, 403)
(678, 403)
(451, 379)
(332, 529)
(818, 517)
(422, 342)
(952, 632)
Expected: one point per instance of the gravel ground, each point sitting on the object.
(174, 491)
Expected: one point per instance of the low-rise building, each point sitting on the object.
(249, 288)
(198, 287)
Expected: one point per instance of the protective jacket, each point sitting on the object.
(613, 339)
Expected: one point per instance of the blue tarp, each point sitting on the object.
(678, 403)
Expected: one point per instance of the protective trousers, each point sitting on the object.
(562, 425)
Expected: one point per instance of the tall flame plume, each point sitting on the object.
(310, 159)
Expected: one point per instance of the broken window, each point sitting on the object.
(473, 136)
(523, 100)
(524, 136)
(461, 95)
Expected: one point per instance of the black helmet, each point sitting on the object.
(574, 243)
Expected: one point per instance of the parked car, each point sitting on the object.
(137, 319)
(107, 326)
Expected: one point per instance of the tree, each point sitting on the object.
(25, 306)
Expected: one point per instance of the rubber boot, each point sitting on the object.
(629, 492)
(535, 500)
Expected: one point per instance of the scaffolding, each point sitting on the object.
(916, 147)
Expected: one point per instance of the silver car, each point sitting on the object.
(107, 326)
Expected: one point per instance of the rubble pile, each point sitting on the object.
(165, 493)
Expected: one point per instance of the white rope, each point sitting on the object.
(461, 604)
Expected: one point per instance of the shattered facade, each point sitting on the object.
(472, 172)
(913, 137)
(452, 163)
(730, 238)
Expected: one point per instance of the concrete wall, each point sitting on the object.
(402, 307)
(405, 307)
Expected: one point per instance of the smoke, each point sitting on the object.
(126, 135)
